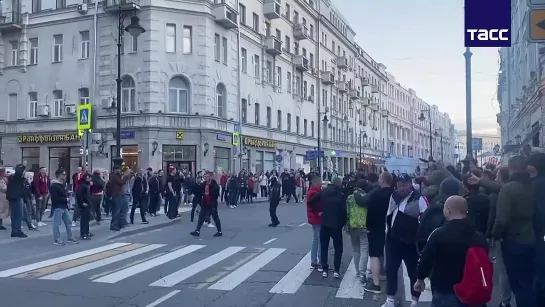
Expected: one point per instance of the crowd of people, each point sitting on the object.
(450, 226)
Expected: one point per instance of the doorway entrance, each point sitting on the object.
(183, 165)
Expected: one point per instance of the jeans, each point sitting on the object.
(41, 205)
(315, 247)
(95, 201)
(116, 202)
(173, 202)
(16, 210)
(61, 216)
(124, 210)
(446, 300)
(327, 233)
(499, 267)
(397, 251)
(520, 272)
(360, 248)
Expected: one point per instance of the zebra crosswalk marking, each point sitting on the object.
(294, 279)
(349, 288)
(41, 264)
(100, 263)
(183, 274)
(144, 266)
(44, 271)
(238, 276)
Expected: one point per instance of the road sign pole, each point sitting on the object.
(469, 138)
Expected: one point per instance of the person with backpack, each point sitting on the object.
(456, 260)
(357, 228)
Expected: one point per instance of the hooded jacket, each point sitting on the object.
(333, 206)
(314, 205)
(478, 207)
(59, 196)
(16, 188)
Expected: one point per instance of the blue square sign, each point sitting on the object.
(487, 23)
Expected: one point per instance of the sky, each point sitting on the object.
(421, 43)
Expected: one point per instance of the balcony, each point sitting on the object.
(10, 22)
(225, 15)
(328, 78)
(364, 81)
(273, 45)
(121, 5)
(342, 86)
(342, 62)
(300, 31)
(374, 89)
(301, 63)
(271, 9)
(354, 94)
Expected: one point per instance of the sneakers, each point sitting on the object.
(58, 242)
(72, 240)
(370, 287)
(210, 225)
(218, 234)
(389, 303)
(324, 274)
(195, 233)
(336, 275)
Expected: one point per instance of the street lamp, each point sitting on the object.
(134, 29)
(391, 147)
(423, 118)
(324, 120)
(440, 134)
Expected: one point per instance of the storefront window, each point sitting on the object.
(31, 155)
(182, 156)
(246, 161)
(66, 158)
(130, 156)
(222, 159)
(268, 161)
(258, 162)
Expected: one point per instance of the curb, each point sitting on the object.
(131, 232)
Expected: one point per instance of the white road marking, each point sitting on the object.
(54, 261)
(425, 296)
(238, 276)
(303, 224)
(183, 274)
(163, 298)
(295, 278)
(100, 263)
(144, 266)
(269, 241)
(351, 287)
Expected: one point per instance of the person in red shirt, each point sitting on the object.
(41, 191)
(209, 191)
(314, 216)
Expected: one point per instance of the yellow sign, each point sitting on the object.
(254, 142)
(537, 25)
(179, 135)
(51, 138)
(84, 117)
(236, 139)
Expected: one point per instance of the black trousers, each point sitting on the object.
(154, 200)
(242, 193)
(85, 218)
(336, 234)
(233, 198)
(263, 189)
(397, 251)
(224, 194)
(290, 193)
(173, 202)
(95, 207)
(206, 212)
(272, 211)
(136, 202)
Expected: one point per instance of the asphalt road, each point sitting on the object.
(251, 265)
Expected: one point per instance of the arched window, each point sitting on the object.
(221, 99)
(128, 94)
(178, 95)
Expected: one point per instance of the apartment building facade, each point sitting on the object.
(270, 70)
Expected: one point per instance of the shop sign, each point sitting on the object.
(48, 138)
(221, 137)
(255, 142)
(179, 135)
(127, 135)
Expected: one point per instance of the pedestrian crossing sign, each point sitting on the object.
(84, 117)
(236, 139)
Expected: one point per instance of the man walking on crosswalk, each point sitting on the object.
(210, 192)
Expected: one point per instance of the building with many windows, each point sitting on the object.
(281, 73)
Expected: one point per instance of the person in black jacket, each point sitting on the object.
(82, 197)
(139, 196)
(274, 200)
(59, 207)
(209, 190)
(443, 258)
(154, 188)
(478, 205)
(333, 220)
(15, 194)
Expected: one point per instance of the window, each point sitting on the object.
(242, 13)
(257, 111)
(298, 85)
(297, 125)
(128, 94)
(33, 51)
(279, 120)
(311, 60)
(221, 100)
(222, 159)
(36, 6)
(32, 105)
(287, 43)
(257, 67)
(14, 53)
(289, 81)
(178, 95)
(58, 104)
(288, 10)
(61, 4)
(83, 94)
(170, 40)
(84, 38)
(255, 22)
(288, 120)
(224, 49)
(217, 47)
(278, 76)
(269, 117)
(269, 72)
(187, 40)
(57, 48)
(312, 128)
(305, 128)
(267, 28)
(244, 60)
(31, 155)
(278, 35)
(13, 106)
(244, 111)
(133, 46)
(311, 32)
(295, 17)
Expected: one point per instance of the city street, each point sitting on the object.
(251, 265)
